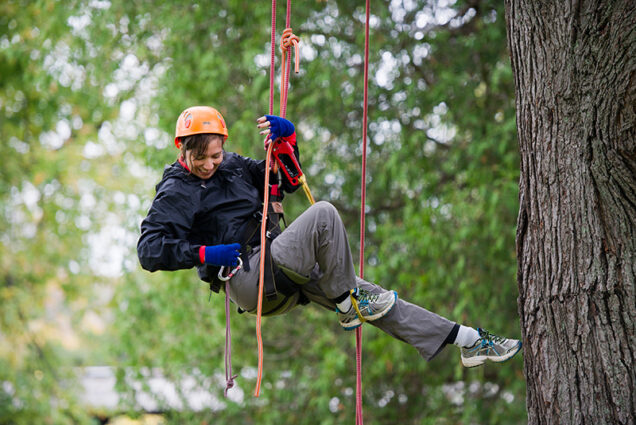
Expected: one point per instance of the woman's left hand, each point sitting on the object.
(275, 126)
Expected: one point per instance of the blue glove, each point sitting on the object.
(223, 255)
(279, 127)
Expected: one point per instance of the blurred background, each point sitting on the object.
(90, 92)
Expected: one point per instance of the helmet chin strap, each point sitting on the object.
(182, 161)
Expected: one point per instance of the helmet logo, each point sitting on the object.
(188, 120)
(221, 119)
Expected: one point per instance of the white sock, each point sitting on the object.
(344, 305)
(466, 336)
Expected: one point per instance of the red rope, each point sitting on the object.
(273, 57)
(287, 41)
(363, 191)
(229, 377)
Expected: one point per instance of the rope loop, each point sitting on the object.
(288, 40)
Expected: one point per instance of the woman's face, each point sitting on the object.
(205, 166)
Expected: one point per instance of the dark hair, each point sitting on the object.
(198, 143)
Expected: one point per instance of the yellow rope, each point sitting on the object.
(303, 181)
(354, 302)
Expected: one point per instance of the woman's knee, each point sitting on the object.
(324, 208)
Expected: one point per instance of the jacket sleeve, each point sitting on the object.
(163, 244)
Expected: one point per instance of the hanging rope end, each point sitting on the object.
(229, 384)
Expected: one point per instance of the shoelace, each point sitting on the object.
(363, 295)
(487, 336)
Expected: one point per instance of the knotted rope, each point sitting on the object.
(288, 40)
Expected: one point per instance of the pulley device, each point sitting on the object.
(283, 154)
(286, 162)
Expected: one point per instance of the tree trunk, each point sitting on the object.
(573, 63)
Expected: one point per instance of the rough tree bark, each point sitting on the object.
(573, 63)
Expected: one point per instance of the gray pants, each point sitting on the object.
(316, 245)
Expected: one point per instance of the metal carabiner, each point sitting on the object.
(232, 273)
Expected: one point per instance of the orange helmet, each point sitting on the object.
(200, 119)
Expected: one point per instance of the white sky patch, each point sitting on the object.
(420, 52)
(79, 24)
(443, 13)
(385, 74)
(93, 150)
(77, 122)
(31, 197)
(386, 131)
(63, 129)
(23, 211)
(19, 146)
(127, 111)
(58, 63)
(155, 42)
(108, 247)
(442, 133)
(107, 139)
(461, 20)
(100, 4)
(157, 138)
(437, 129)
(422, 19)
(54, 139)
(307, 52)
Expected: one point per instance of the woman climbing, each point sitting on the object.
(206, 215)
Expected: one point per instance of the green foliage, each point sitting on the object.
(89, 95)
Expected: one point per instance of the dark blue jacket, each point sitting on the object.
(188, 212)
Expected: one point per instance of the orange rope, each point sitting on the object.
(288, 40)
(259, 305)
(261, 275)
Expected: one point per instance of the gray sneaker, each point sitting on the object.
(371, 306)
(489, 347)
